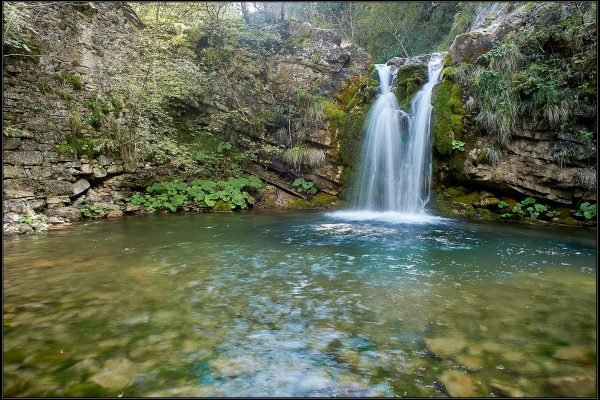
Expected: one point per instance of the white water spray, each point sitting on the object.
(395, 169)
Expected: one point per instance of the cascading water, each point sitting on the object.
(395, 169)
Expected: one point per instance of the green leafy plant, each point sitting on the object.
(29, 220)
(458, 145)
(305, 186)
(502, 204)
(90, 210)
(528, 207)
(585, 210)
(234, 192)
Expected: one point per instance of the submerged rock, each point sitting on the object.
(578, 354)
(446, 347)
(234, 367)
(573, 386)
(505, 390)
(117, 374)
(471, 362)
(458, 384)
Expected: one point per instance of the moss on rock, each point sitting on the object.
(222, 206)
(298, 203)
(346, 117)
(410, 79)
(447, 116)
(487, 214)
(323, 200)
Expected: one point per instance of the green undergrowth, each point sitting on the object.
(305, 186)
(230, 194)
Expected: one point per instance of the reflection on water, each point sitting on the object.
(299, 304)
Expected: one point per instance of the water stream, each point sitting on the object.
(395, 167)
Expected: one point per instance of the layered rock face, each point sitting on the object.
(78, 49)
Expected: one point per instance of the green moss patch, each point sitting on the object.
(410, 79)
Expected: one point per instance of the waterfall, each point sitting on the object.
(395, 164)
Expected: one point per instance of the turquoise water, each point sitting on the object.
(299, 304)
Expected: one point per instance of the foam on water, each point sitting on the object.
(387, 216)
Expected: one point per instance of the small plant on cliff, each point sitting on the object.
(10, 131)
(458, 145)
(65, 77)
(586, 210)
(75, 124)
(305, 186)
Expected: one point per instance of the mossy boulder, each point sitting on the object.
(462, 210)
(321, 200)
(409, 80)
(472, 198)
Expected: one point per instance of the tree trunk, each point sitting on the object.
(245, 13)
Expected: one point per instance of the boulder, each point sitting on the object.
(466, 48)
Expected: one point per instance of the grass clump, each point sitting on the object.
(304, 155)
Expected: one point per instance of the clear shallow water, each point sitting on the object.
(296, 304)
